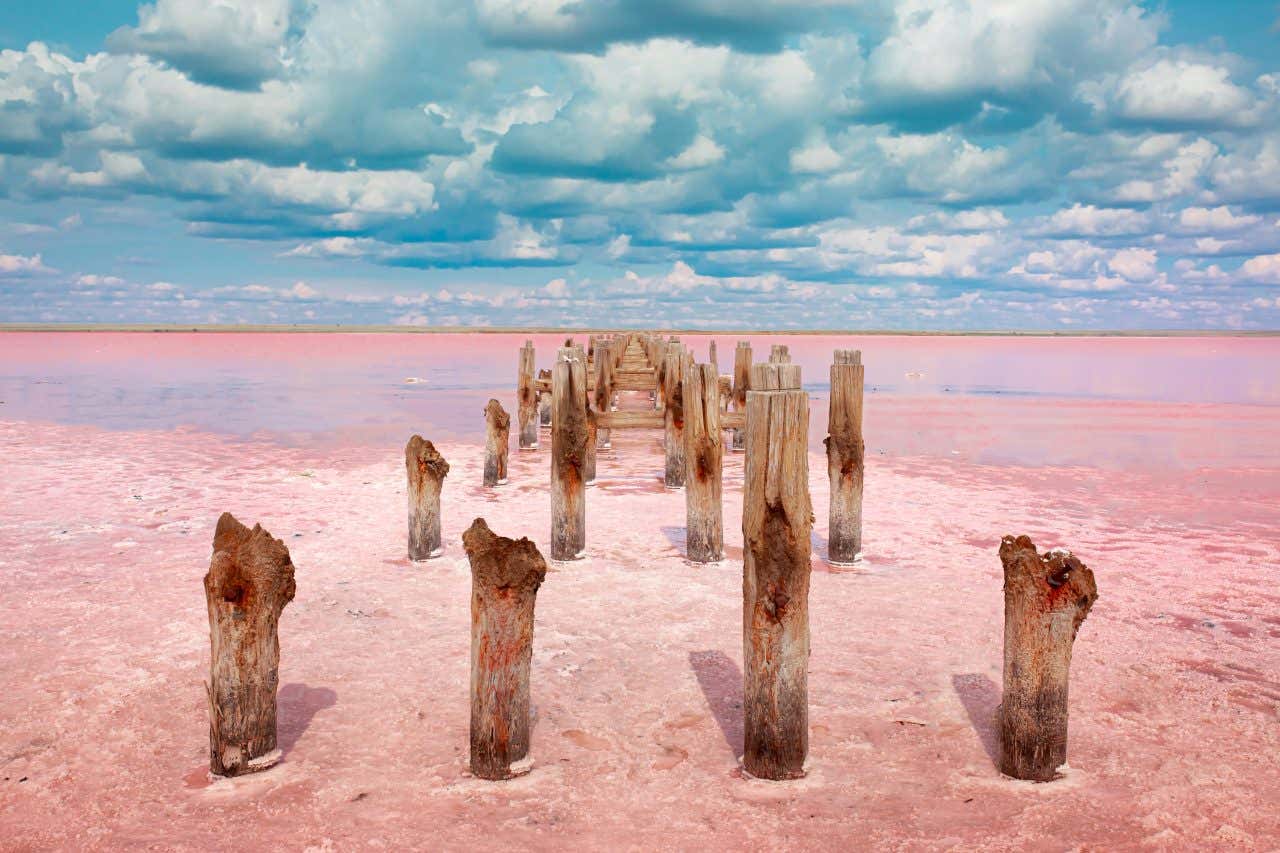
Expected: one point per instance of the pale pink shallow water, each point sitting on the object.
(636, 676)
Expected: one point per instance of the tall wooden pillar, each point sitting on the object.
(741, 383)
(845, 459)
(673, 414)
(777, 518)
(568, 456)
(603, 396)
(703, 450)
(527, 399)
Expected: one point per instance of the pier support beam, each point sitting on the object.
(527, 399)
(250, 581)
(777, 518)
(673, 414)
(497, 440)
(568, 457)
(845, 459)
(603, 398)
(741, 383)
(544, 401)
(703, 450)
(1046, 598)
(505, 576)
(426, 469)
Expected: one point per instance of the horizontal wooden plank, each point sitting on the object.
(629, 420)
(733, 420)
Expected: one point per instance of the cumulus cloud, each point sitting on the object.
(237, 45)
(1185, 94)
(815, 156)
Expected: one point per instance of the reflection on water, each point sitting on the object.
(1112, 401)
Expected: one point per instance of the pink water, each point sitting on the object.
(1150, 403)
(1156, 461)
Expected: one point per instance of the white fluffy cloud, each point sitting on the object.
(1182, 92)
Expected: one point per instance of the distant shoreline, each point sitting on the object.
(582, 330)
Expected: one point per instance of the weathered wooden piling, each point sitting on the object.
(1046, 598)
(426, 469)
(741, 383)
(711, 356)
(845, 459)
(497, 439)
(527, 399)
(777, 518)
(703, 450)
(673, 414)
(544, 401)
(779, 354)
(568, 457)
(505, 576)
(250, 581)
(593, 431)
(603, 398)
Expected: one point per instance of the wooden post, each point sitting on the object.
(426, 469)
(527, 399)
(703, 451)
(741, 383)
(673, 415)
(711, 356)
(1046, 598)
(544, 401)
(779, 354)
(604, 386)
(568, 458)
(845, 459)
(505, 576)
(250, 581)
(589, 466)
(777, 518)
(497, 440)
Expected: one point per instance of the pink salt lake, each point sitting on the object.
(1156, 460)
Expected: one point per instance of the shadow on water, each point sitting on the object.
(721, 682)
(981, 699)
(298, 704)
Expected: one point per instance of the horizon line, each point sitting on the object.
(331, 328)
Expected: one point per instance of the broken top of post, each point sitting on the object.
(848, 356)
(774, 376)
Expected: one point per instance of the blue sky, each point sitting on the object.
(956, 164)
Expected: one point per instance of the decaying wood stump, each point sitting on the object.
(741, 383)
(250, 581)
(777, 518)
(711, 356)
(779, 354)
(426, 469)
(497, 440)
(527, 399)
(544, 401)
(677, 360)
(505, 576)
(568, 458)
(1046, 598)
(704, 451)
(845, 459)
